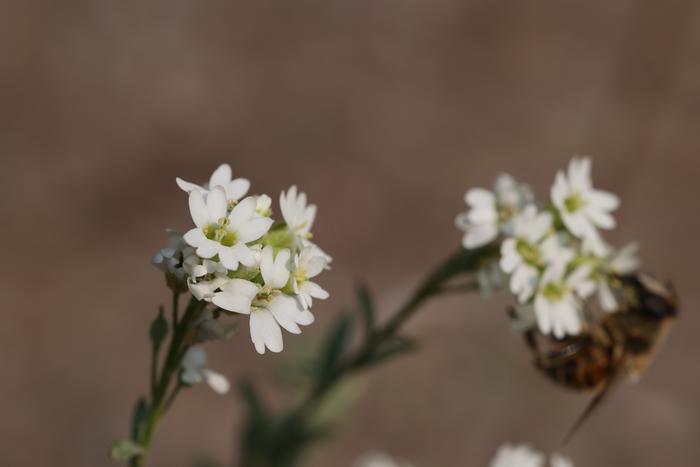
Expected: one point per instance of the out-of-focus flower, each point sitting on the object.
(297, 214)
(234, 189)
(558, 299)
(194, 371)
(491, 212)
(520, 455)
(379, 459)
(520, 255)
(583, 209)
(557, 460)
(225, 234)
(268, 306)
(308, 264)
(170, 259)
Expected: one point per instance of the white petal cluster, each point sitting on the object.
(522, 455)
(554, 255)
(239, 258)
(491, 212)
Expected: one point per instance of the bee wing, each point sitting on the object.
(593, 404)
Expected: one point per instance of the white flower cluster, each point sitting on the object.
(554, 255)
(523, 455)
(238, 258)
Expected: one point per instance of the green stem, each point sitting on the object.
(159, 401)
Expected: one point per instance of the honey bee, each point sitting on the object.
(620, 344)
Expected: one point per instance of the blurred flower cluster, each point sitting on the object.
(508, 455)
(240, 259)
(552, 254)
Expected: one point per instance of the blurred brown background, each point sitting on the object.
(385, 112)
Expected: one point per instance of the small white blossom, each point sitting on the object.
(521, 255)
(297, 214)
(583, 209)
(558, 299)
(234, 189)
(490, 212)
(194, 371)
(224, 233)
(263, 204)
(308, 264)
(268, 306)
(523, 455)
(379, 459)
(517, 456)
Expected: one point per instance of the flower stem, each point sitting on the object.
(160, 401)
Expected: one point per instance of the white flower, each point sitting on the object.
(225, 234)
(268, 307)
(557, 460)
(557, 303)
(379, 459)
(222, 176)
(194, 371)
(517, 456)
(582, 208)
(297, 214)
(489, 212)
(521, 255)
(308, 264)
(263, 205)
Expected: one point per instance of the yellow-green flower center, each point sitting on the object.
(219, 232)
(574, 202)
(300, 275)
(554, 291)
(529, 252)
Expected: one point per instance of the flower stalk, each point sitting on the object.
(162, 392)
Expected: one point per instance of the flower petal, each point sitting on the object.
(218, 382)
(216, 204)
(232, 302)
(314, 290)
(604, 200)
(187, 186)
(198, 209)
(265, 332)
(283, 308)
(479, 235)
(237, 189)
(253, 229)
(221, 176)
(242, 212)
